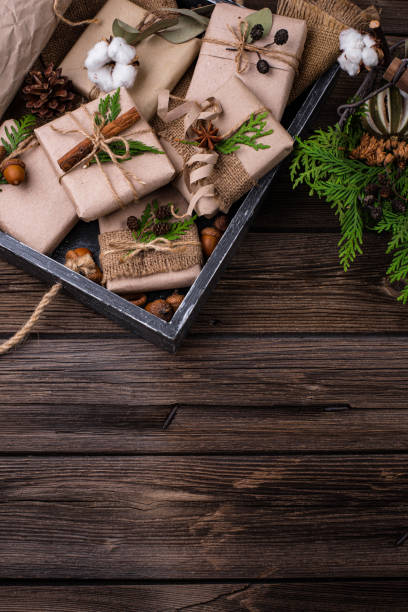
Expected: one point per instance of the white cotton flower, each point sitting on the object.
(120, 51)
(97, 56)
(368, 41)
(354, 54)
(102, 78)
(124, 75)
(346, 64)
(370, 57)
(350, 38)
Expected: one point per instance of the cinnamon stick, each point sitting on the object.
(81, 150)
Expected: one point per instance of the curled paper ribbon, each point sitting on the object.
(100, 143)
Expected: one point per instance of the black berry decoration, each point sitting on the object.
(281, 37)
(257, 31)
(132, 223)
(262, 66)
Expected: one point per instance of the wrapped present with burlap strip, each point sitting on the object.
(210, 179)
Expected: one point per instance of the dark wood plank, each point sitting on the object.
(79, 428)
(202, 517)
(358, 596)
(276, 283)
(362, 371)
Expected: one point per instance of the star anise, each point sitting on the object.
(207, 135)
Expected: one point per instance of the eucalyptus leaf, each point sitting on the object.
(190, 24)
(263, 17)
(133, 35)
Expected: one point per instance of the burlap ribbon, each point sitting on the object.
(100, 143)
(243, 47)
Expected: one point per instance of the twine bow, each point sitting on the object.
(131, 248)
(243, 47)
(100, 143)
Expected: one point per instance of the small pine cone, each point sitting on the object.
(372, 189)
(133, 223)
(376, 212)
(281, 37)
(383, 179)
(257, 32)
(398, 205)
(161, 228)
(368, 200)
(385, 192)
(164, 212)
(48, 93)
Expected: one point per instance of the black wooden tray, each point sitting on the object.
(165, 335)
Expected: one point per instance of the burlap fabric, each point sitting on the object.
(325, 20)
(148, 262)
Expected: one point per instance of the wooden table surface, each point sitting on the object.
(280, 481)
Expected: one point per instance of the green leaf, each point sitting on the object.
(134, 36)
(255, 126)
(18, 132)
(190, 24)
(263, 17)
(135, 148)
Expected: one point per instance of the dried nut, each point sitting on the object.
(221, 223)
(80, 260)
(210, 237)
(13, 171)
(139, 300)
(161, 309)
(175, 300)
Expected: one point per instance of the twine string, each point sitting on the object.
(61, 17)
(25, 145)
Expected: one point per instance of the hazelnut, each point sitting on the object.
(210, 237)
(221, 223)
(175, 300)
(80, 260)
(161, 309)
(139, 300)
(13, 171)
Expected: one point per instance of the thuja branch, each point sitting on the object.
(135, 148)
(248, 134)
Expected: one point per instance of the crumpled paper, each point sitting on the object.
(25, 28)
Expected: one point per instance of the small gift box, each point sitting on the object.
(221, 146)
(156, 265)
(123, 162)
(37, 212)
(161, 63)
(225, 54)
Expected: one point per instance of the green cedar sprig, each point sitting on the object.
(255, 126)
(147, 220)
(109, 107)
(19, 132)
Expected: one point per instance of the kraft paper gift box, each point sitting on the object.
(90, 189)
(232, 175)
(162, 64)
(216, 63)
(127, 282)
(37, 212)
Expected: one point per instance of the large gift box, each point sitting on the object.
(213, 180)
(162, 64)
(218, 59)
(148, 271)
(37, 212)
(98, 190)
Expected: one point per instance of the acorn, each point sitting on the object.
(13, 171)
(175, 300)
(210, 237)
(139, 300)
(80, 260)
(161, 309)
(221, 223)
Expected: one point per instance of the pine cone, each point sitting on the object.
(132, 223)
(161, 228)
(48, 94)
(164, 212)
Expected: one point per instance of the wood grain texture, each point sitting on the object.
(81, 428)
(201, 517)
(356, 596)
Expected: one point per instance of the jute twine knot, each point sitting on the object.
(100, 143)
(25, 145)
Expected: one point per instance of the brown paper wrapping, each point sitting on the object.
(88, 187)
(240, 170)
(162, 64)
(153, 282)
(25, 27)
(37, 212)
(216, 65)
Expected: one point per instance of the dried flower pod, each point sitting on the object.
(372, 189)
(13, 171)
(210, 237)
(257, 32)
(398, 205)
(80, 260)
(161, 309)
(281, 37)
(139, 300)
(175, 300)
(262, 66)
(221, 223)
(376, 212)
(385, 192)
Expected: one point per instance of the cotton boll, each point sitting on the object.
(368, 41)
(354, 54)
(102, 78)
(370, 57)
(350, 38)
(120, 51)
(97, 56)
(124, 76)
(350, 67)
